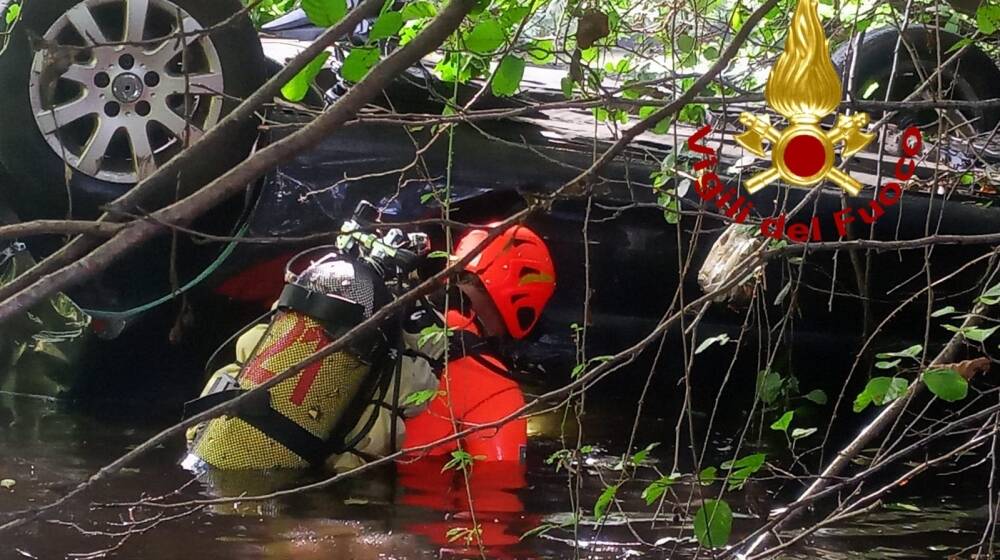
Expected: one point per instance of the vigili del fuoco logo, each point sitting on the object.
(803, 87)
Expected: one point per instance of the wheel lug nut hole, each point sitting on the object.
(102, 80)
(152, 79)
(126, 61)
(112, 109)
(142, 108)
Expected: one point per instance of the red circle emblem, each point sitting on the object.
(805, 155)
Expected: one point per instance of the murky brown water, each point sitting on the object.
(47, 449)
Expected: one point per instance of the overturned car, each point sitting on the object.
(623, 247)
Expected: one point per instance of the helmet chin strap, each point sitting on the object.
(484, 311)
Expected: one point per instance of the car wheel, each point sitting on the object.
(97, 94)
(973, 78)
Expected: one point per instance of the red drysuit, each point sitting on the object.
(472, 393)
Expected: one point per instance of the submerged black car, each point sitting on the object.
(619, 252)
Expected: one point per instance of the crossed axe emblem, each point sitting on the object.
(802, 154)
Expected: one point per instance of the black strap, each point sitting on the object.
(259, 413)
(336, 314)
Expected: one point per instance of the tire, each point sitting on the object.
(974, 75)
(38, 165)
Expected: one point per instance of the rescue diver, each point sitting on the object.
(301, 421)
(506, 286)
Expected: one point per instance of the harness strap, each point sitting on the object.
(336, 314)
(259, 413)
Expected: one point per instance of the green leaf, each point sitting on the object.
(990, 296)
(911, 352)
(799, 433)
(438, 255)
(13, 11)
(566, 83)
(959, 45)
(782, 424)
(685, 43)
(743, 468)
(656, 489)
(508, 76)
(418, 10)
(324, 13)
(662, 126)
(418, 398)
(604, 500)
(387, 25)
(358, 62)
(542, 529)
(817, 396)
(461, 460)
(713, 524)
(888, 365)
(485, 37)
(880, 391)
(297, 88)
(707, 475)
(944, 311)
(769, 385)
(542, 51)
(722, 339)
(988, 18)
(640, 456)
(972, 333)
(946, 384)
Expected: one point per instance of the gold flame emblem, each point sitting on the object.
(804, 87)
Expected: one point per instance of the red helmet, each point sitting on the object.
(517, 271)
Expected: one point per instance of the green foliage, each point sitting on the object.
(508, 76)
(656, 489)
(324, 13)
(419, 397)
(485, 37)
(721, 339)
(580, 368)
(743, 469)
(468, 535)
(988, 17)
(418, 10)
(387, 25)
(946, 384)
(358, 62)
(461, 460)
(640, 456)
(542, 51)
(708, 475)
(976, 334)
(605, 500)
(944, 311)
(434, 334)
(817, 396)
(782, 424)
(880, 391)
(769, 385)
(268, 10)
(713, 524)
(990, 296)
(297, 88)
(13, 12)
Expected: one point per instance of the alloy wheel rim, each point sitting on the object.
(139, 84)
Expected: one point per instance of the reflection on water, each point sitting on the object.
(412, 511)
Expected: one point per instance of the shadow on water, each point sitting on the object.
(415, 510)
